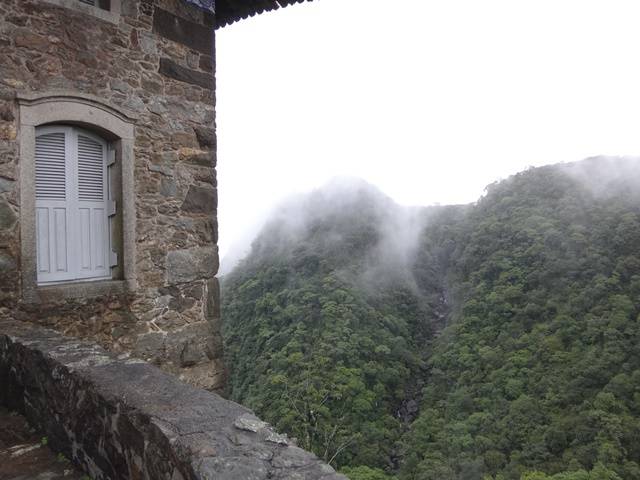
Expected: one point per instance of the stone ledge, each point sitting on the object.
(62, 291)
(119, 418)
(112, 15)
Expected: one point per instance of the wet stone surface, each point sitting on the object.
(121, 418)
(25, 455)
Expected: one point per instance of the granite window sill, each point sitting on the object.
(112, 15)
(73, 290)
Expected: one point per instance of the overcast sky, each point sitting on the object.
(430, 101)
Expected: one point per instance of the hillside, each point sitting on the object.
(493, 340)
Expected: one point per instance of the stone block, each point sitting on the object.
(7, 263)
(147, 43)
(158, 107)
(150, 86)
(206, 63)
(206, 136)
(119, 86)
(191, 354)
(196, 156)
(171, 69)
(168, 187)
(7, 217)
(150, 346)
(6, 113)
(182, 31)
(186, 347)
(191, 264)
(193, 59)
(32, 41)
(200, 200)
(184, 140)
(6, 185)
(163, 169)
(7, 132)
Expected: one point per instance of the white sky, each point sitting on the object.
(431, 101)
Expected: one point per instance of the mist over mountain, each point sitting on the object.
(497, 340)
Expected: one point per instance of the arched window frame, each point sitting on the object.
(110, 123)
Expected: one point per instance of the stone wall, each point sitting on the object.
(155, 62)
(118, 418)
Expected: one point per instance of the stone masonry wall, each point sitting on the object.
(124, 419)
(156, 62)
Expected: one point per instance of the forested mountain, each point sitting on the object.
(498, 340)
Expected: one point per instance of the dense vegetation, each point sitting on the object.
(499, 340)
(309, 349)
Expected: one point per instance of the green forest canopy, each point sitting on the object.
(498, 340)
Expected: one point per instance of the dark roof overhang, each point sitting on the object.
(230, 11)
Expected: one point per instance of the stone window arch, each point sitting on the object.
(116, 127)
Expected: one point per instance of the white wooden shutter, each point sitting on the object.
(52, 205)
(111, 203)
(92, 215)
(72, 225)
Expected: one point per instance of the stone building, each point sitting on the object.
(108, 197)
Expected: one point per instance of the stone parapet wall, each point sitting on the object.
(155, 61)
(120, 418)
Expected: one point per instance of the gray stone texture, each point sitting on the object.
(7, 216)
(147, 62)
(206, 137)
(6, 185)
(120, 418)
(200, 200)
(192, 34)
(174, 70)
(190, 264)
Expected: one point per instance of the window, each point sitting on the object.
(108, 10)
(73, 205)
(112, 132)
(103, 4)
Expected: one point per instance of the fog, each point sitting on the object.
(332, 210)
(604, 176)
(398, 228)
(430, 101)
